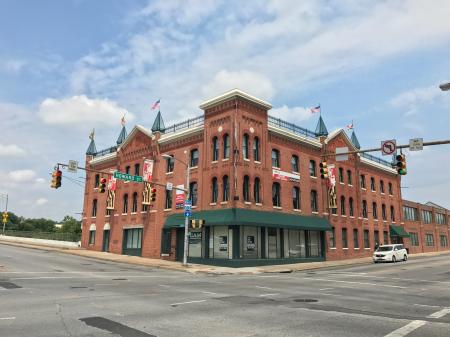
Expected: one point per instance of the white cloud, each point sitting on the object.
(41, 201)
(417, 96)
(11, 150)
(293, 115)
(21, 176)
(81, 110)
(254, 83)
(13, 66)
(40, 180)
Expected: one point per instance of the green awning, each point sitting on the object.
(238, 216)
(398, 231)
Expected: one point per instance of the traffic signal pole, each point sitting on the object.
(439, 142)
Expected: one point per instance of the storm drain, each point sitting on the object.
(305, 300)
(9, 285)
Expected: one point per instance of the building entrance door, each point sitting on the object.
(272, 243)
(105, 246)
(180, 245)
(132, 241)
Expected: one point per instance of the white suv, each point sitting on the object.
(392, 253)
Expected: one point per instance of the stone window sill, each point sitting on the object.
(277, 207)
(167, 209)
(224, 202)
(258, 204)
(212, 203)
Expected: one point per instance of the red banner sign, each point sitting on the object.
(148, 170)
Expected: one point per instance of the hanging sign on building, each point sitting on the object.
(112, 183)
(180, 197)
(332, 198)
(148, 170)
(285, 176)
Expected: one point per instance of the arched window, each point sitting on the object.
(372, 183)
(383, 212)
(226, 146)
(246, 188)
(215, 190)
(341, 175)
(364, 209)
(194, 158)
(294, 163)
(135, 202)
(350, 207)
(215, 149)
(392, 214)
(296, 197)
(314, 207)
(94, 208)
(381, 186)
(125, 203)
(276, 199)
(349, 177)
(256, 191)
(245, 146)
(390, 189)
(168, 199)
(170, 163)
(256, 149)
(342, 205)
(225, 188)
(193, 189)
(374, 210)
(275, 158)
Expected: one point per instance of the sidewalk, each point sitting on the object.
(199, 268)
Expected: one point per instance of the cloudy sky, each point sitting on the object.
(69, 66)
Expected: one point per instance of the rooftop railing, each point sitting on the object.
(190, 123)
(376, 159)
(104, 152)
(291, 127)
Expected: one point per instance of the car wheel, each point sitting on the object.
(394, 259)
(405, 257)
(375, 261)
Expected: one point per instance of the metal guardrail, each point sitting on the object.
(291, 127)
(112, 149)
(192, 122)
(377, 160)
(57, 236)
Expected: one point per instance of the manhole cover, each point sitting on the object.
(305, 300)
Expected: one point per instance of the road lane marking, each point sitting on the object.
(209, 292)
(263, 295)
(263, 287)
(404, 330)
(326, 289)
(6, 318)
(189, 302)
(362, 283)
(105, 284)
(89, 276)
(426, 305)
(164, 285)
(440, 313)
(328, 294)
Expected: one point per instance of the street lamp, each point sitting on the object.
(445, 86)
(186, 218)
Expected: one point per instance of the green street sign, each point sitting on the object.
(128, 177)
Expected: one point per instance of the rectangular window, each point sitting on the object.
(390, 189)
(127, 170)
(168, 199)
(166, 241)
(355, 238)
(440, 218)
(275, 158)
(91, 237)
(170, 163)
(314, 201)
(341, 175)
(332, 238)
(386, 237)
(444, 242)
(314, 243)
(194, 158)
(414, 237)
(372, 183)
(349, 177)
(133, 238)
(429, 240)
(97, 181)
(427, 216)
(195, 243)
(297, 243)
(136, 169)
(344, 238)
(376, 235)
(94, 208)
(250, 242)
(312, 168)
(219, 244)
(381, 186)
(366, 239)
(364, 209)
(410, 213)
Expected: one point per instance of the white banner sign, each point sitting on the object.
(148, 170)
(285, 176)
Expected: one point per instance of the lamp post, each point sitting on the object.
(445, 86)
(186, 218)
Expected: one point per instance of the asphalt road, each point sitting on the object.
(48, 294)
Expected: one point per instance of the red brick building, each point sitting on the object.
(254, 179)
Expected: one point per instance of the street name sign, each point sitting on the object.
(388, 147)
(128, 177)
(73, 166)
(416, 144)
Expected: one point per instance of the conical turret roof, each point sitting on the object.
(122, 135)
(158, 124)
(355, 141)
(321, 129)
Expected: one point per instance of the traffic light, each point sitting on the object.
(323, 170)
(197, 223)
(102, 185)
(401, 164)
(58, 178)
(5, 217)
(53, 184)
(152, 193)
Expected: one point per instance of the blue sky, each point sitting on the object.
(69, 66)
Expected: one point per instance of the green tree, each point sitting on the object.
(71, 225)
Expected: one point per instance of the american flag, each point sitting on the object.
(156, 104)
(350, 126)
(315, 109)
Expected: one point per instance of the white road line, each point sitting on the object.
(404, 330)
(263, 295)
(440, 313)
(426, 305)
(263, 287)
(7, 318)
(187, 302)
(105, 284)
(361, 283)
(326, 289)
(89, 276)
(209, 292)
(327, 294)
(164, 285)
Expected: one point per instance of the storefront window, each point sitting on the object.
(315, 249)
(195, 243)
(220, 242)
(250, 242)
(297, 247)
